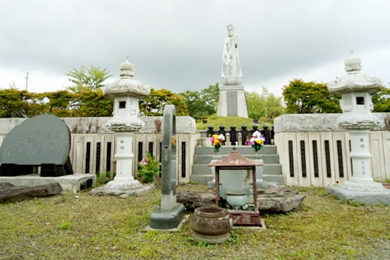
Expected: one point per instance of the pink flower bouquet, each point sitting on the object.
(257, 141)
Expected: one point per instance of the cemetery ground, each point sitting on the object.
(87, 226)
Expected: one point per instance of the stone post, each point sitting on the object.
(126, 92)
(355, 89)
(170, 214)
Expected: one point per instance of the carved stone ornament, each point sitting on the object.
(354, 81)
(126, 85)
(126, 93)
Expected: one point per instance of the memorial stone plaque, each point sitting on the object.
(40, 141)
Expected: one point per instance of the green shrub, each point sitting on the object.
(148, 168)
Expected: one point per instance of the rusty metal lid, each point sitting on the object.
(235, 159)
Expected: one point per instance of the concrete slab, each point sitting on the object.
(167, 219)
(176, 229)
(124, 193)
(377, 197)
(72, 182)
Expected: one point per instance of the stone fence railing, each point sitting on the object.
(234, 136)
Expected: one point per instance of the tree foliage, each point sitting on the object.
(263, 106)
(62, 103)
(381, 100)
(310, 97)
(92, 78)
(153, 105)
(202, 103)
(16, 103)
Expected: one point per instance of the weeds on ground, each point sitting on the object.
(86, 226)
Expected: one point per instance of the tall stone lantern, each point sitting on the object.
(126, 92)
(355, 89)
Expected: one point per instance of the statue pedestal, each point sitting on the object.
(232, 101)
(124, 162)
(361, 188)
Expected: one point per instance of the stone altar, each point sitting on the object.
(232, 100)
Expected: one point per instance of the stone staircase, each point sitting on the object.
(201, 173)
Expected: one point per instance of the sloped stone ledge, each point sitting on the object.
(272, 199)
(11, 193)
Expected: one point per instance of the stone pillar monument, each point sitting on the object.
(232, 100)
(170, 214)
(355, 89)
(126, 92)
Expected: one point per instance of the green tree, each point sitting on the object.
(202, 103)
(18, 103)
(153, 105)
(61, 103)
(92, 103)
(381, 100)
(263, 106)
(92, 78)
(309, 97)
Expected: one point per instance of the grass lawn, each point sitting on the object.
(86, 226)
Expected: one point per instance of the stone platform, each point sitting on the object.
(71, 182)
(139, 191)
(271, 199)
(377, 196)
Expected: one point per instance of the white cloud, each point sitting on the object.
(178, 45)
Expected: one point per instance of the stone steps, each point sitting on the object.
(272, 169)
(267, 158)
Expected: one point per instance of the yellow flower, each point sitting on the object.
(259, 141)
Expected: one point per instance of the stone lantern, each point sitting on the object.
(355, 89)
(126, 92)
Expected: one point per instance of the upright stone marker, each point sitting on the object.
(232, 100)
(40, 141)
(355, 89)
(126, 92)
(170, 214)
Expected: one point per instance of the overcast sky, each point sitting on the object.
(177, 45)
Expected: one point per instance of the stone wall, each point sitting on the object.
(93, 145)
(314, 150)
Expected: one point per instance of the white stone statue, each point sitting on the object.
(231, 67)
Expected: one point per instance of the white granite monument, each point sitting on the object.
(126, 92)
(355, 89)
(232, 100)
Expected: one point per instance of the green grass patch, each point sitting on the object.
(86, 226)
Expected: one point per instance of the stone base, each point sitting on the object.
(71, 182)
(232, 101)
(271, 199)
(123, 184)
(167, 219)
(123, 191)
(371, 196)
(211, 239)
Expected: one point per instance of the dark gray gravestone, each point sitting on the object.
(232, 106)
(40, 141)
(170, 214)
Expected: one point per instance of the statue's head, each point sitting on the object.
(230, 30)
